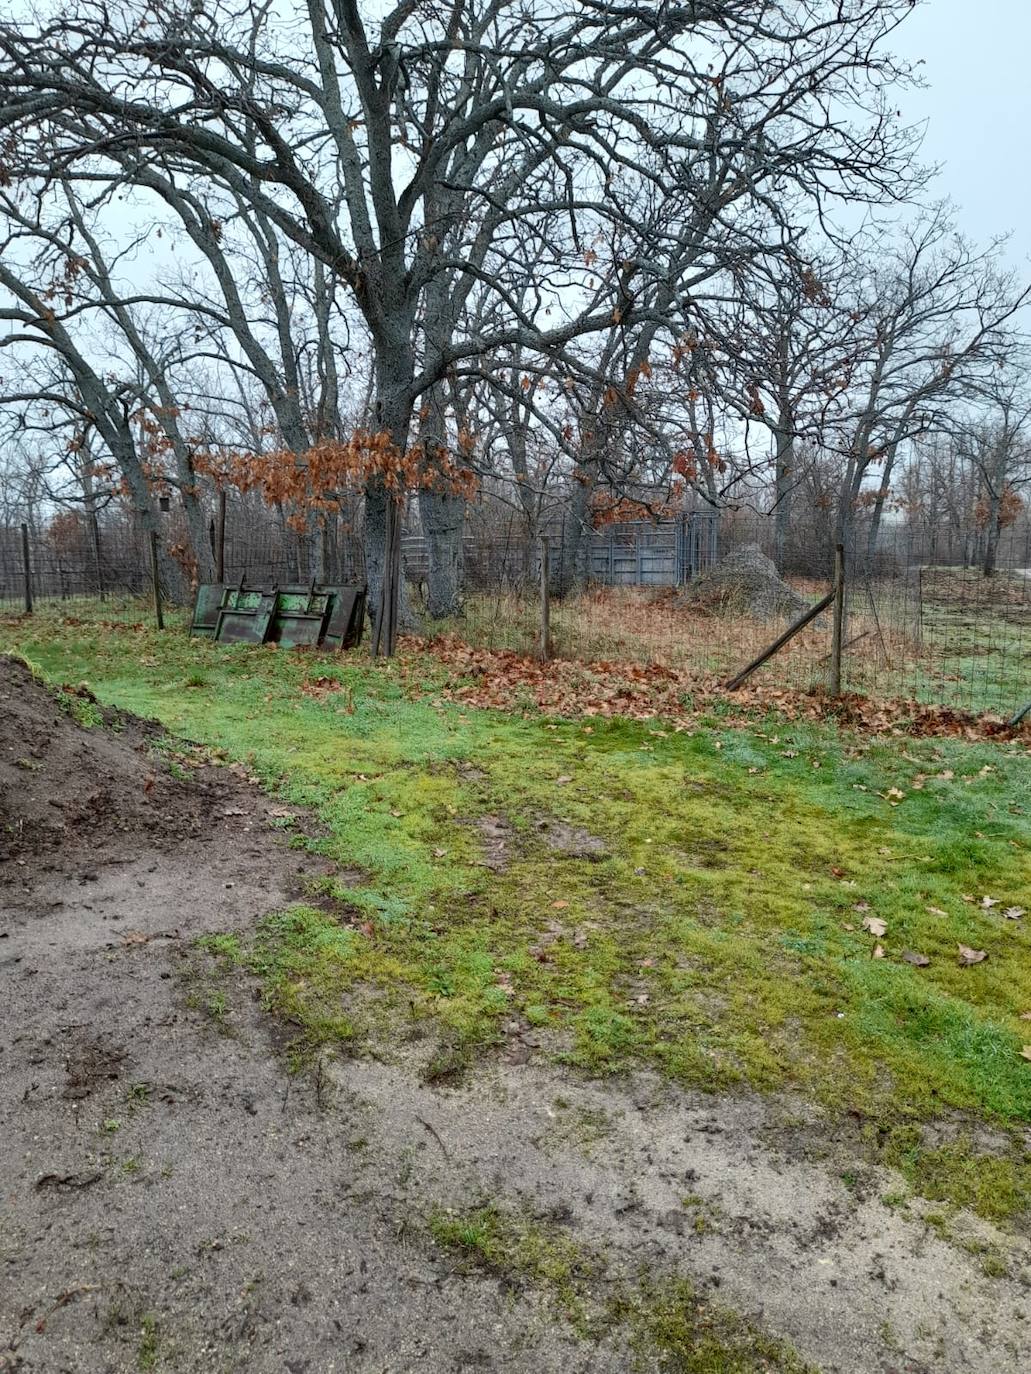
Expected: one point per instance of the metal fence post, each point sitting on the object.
(27, 567)
(544, 642)
(155, 578)
(837, 633)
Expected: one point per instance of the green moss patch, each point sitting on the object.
(659, 1316)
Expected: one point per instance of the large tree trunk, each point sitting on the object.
(145, 505)
(393, 416)
(443, 518)
(880, 500)
(199, 542)
(576, 534)
(785, 482)
(443, 524)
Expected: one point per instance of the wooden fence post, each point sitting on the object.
(27, 566)
(220, 538)
(155, 578)
(838, 630)
(98, 565)
(544, 641)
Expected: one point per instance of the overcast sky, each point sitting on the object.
(978, 106)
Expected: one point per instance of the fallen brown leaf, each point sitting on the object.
(878, 951)
(560, 905)
(969, 956)
(917, 960)
(1013, 913)
(875, 925)
(937, 911)
(1026, 1052)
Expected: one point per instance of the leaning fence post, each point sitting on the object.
(838, 631)
(27, 566)
(156, 579)
(544, 642)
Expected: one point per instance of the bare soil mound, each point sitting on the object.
(746, 582)
(67, 782)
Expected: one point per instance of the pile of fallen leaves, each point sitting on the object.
(501, 679)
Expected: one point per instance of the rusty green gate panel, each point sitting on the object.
(316, 615)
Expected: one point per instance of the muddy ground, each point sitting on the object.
(174, 1198)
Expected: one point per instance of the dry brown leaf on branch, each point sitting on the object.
(875, 925)
(917, 960)
(968, 956)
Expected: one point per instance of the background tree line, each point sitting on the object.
(582, 260)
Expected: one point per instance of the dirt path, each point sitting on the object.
(174, 1199)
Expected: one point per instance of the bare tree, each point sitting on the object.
(997, 447)
(934, 319)
(386, 154)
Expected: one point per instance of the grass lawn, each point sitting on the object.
(692, 901)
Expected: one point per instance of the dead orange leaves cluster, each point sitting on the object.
(501, 679)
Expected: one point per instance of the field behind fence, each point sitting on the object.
(920, 621)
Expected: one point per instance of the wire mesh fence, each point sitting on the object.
(922, 619)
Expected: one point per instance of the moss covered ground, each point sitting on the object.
(693, 901)
(657, 1316)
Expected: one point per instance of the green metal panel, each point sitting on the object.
(246, 618)
(346, 619)
(315, 615)
(205, 612)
